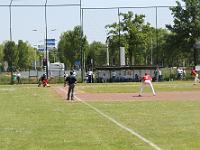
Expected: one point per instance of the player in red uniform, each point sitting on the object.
(196, 75)
(44, 81)
(146, 80)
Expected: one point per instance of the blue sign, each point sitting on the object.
(51, 42)
(77, 62)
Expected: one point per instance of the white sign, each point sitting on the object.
(122, 56)
(41, 48)
(197, 44)
(197, 68)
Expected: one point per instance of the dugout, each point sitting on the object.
(123, 73)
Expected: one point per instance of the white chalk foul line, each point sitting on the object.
(154, 146)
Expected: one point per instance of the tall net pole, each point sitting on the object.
(81, 42)
(46, 49)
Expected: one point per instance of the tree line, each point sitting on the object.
(17, 56)
(175, 45)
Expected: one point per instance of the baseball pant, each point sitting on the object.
(147, 82)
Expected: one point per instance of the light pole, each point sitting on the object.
(81, 43)
(35, 64)
(11, 38)
(45, 45)
(107, 50)
(36, 47)
(10, 20)
(46, 50)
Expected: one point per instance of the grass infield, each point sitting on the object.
(33, 118)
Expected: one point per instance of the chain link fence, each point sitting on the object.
(20, 18)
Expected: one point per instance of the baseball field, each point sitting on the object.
(107, 116)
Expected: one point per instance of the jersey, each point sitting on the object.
(71, 79)
(147, 77)
(194, 72)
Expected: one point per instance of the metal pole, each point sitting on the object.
(107, 51)
(46, 49)
(81, 42)
(35, 64)
(119, 35)
(35, 47)
(156, 35)
(10, 20)
(11, 38)
(151, 52)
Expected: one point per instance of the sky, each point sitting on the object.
(28, 23)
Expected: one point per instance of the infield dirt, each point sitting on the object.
(161, 96)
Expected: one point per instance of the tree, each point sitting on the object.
(31, 56)
(11, 54)
(172, 53)
(69, 46)
(53, 55)
(1, 57)
(97, 53)
(159, 47)
(132, 25)
(115, 41)
(23, 49)
(136, 37)
(186, 27)
(1, 53)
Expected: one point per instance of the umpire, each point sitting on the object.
(71, 81)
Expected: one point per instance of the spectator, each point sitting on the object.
(18, 75)
(90, 76)
(136, 78)
(180, 73)
(156, 75)
(159, 75)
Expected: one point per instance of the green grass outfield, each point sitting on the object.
(33, 118)
(130, 87)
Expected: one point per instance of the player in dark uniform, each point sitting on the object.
(71, 81)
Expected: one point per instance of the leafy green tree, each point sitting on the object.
(135, 37)
(186, 27)
(1, 53)
(69, 46)
(27, 55)
(96, 55)
(53, 55)
(160, 51)
(1, 57)
(33, 55)
(116, 39)
(11, 54)
(23, 49)
(133, 25)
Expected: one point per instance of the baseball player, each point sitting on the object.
(196, 75)
(44, 81)
(146, 79)
(71, 81)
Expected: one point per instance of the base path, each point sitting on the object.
(161, 96)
